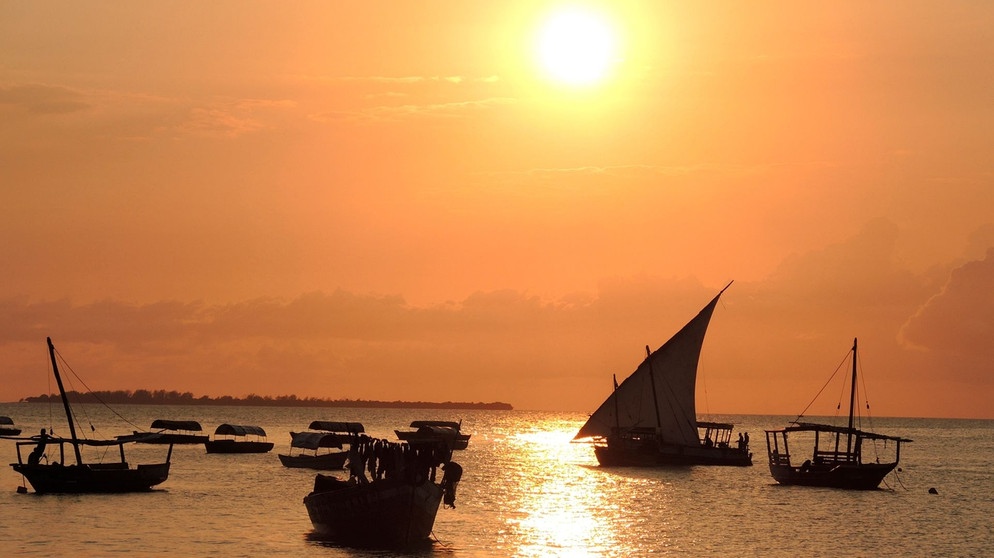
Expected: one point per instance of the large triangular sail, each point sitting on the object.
(660, 393)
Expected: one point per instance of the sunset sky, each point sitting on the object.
(446, 200)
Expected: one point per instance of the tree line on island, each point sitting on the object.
(163, 397)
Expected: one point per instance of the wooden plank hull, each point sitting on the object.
(385, 513)
(237, 446)
(92, 478)
(323, 462)
(670, 455)
(457, 442)
(866, 476)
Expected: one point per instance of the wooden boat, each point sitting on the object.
(435, 430)
(239, 439)
(394, 510)
(837, 460)
(7, 427)
(315, 442)
(175, 432)
(331, 434)
(650, 419)
(61, 477)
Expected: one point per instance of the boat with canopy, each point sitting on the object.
(175, 432)
(314, 447)
(650, 419)
(237, 438)
(446, 431)
(7, 427)
(839, 453)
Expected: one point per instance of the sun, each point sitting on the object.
(577, 46)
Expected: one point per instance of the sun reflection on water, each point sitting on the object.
(559, 502)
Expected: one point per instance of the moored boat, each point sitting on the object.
(394, 509)
(7, 427)
(650, 419)
(236, 438)
(445, 431)
(175, 432)
(329, 435)
(837, 457)
(54, 474)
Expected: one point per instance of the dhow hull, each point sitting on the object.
(80, 479)
(867, 476)
(671, 455)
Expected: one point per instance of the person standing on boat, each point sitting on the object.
(36, 454)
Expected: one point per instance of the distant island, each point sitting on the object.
(162, 397)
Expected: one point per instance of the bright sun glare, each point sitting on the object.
(577, 46)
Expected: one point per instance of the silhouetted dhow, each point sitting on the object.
(48, 473)
(651, 418)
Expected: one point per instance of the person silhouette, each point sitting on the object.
(36, 454)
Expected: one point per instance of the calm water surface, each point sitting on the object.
(526, 491)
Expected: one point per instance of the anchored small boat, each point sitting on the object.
(314, 447)
(48, 472)
(650, 419)
(839, 452)
(7, 427)
(436, 431)
(236, 438)
(175, 432)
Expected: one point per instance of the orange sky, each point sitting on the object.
(390, 200)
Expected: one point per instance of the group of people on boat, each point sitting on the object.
(391, 460)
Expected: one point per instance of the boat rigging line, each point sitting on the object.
(815, 398)
(93, 395)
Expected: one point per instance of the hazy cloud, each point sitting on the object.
(954, 326)
(44, 99)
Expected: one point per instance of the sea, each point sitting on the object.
(526, 491)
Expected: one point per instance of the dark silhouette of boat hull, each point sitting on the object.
(384, 513)
(92, 478)
(237, 446)
(852, 476)
(322, 462)
(79, 477)
(670, 455)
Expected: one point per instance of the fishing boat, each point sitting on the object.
(46, 474)
(330, 435)
(7, 427)
(650, 419)
(436, 430)
(313, 443)
(397, 508)
(175, 432)
(838, 458)
(238, 439)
